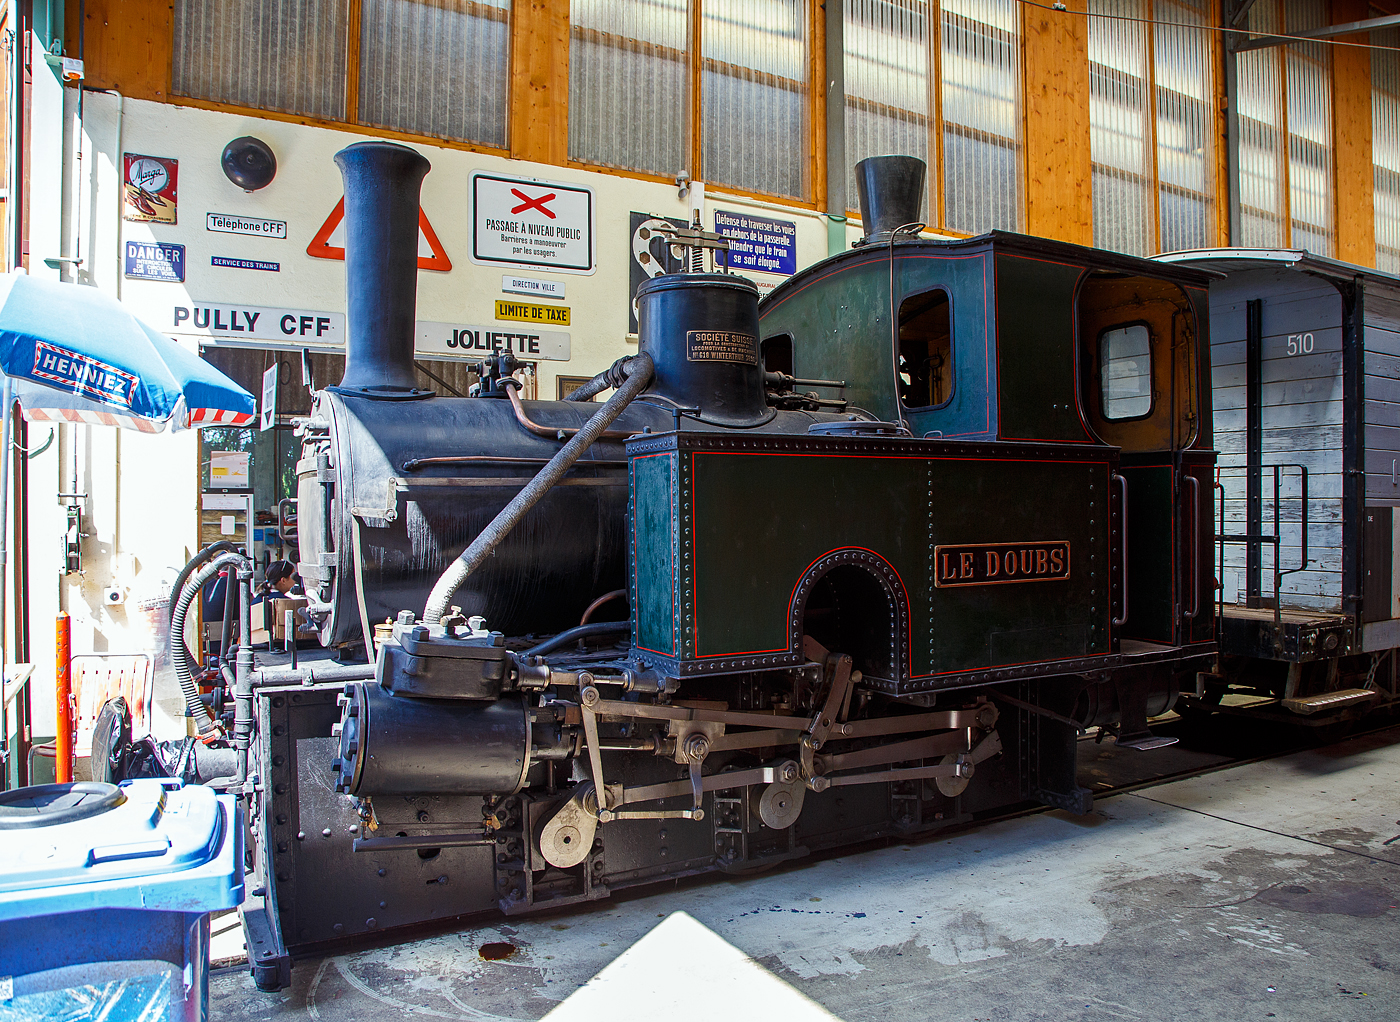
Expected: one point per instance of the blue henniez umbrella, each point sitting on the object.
(70, 353)
(76, 355)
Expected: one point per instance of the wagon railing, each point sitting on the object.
(1276, 540)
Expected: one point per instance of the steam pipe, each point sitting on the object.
(578, 632)
(639, 371)
(179, 654)
(383, 182)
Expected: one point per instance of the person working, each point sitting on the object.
(282, 576)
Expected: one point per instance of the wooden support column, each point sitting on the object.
(539, 81)
(1059, 190)
(126, 46)
(1351, 111)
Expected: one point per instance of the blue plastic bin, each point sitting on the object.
(105, 895)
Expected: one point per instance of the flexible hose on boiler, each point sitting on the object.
(639, 370)
(613, 376)
(179, 654)
(220, 546)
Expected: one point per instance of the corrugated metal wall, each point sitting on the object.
(1119, 128)
(753, 95)
(1151, 125)
(438, 68)
(1311, 171)
(431, 67)
(287, 56)
(887, 83)
(980, 54)
(1287, 172)
(629, 90)
(1263, 169)
(1385, 149)
(963, 109)
(1184, 65)
(629, 84)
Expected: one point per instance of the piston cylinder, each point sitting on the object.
(394, 745)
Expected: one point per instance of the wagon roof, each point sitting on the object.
(1228, 259)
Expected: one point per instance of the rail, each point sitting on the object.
(1275, 540)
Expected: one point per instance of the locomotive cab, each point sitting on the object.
(1009, 341)
(1141, 392)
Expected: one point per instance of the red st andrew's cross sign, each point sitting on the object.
(536, 203)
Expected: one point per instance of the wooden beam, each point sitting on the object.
(127, 46)
(1059, 189)
(817, 98)
(1351, 119)
(539, 81)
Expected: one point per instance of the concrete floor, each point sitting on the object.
(1260, 891)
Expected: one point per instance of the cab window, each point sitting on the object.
(925, 350)
(1125, 371)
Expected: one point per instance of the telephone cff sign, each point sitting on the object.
(523, 222)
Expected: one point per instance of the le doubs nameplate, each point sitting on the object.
(984, 564)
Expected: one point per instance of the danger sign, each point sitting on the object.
(329, 242)
(524, 222)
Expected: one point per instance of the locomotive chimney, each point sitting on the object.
(382, 183)
(891, 194)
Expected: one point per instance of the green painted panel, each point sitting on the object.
(653, 552)
(762, 519)
(1151, 546)
(840, 328)
(1036, 349)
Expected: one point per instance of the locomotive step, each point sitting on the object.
(1308, 705)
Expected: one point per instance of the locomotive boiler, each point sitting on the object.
(880, 607)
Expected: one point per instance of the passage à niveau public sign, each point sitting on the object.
(525, 222)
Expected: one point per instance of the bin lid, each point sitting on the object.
(61, 834)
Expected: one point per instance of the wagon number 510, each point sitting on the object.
(1300, 344)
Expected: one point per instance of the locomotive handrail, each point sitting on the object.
(1195, 545)
(1122, 482)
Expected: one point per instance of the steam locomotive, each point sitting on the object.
(886, 544)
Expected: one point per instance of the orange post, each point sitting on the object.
(63, 693)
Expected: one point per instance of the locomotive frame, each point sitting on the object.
(882, 620)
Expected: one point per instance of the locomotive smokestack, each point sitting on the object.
(891, 194)
(382, 184)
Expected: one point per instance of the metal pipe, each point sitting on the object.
(550, 432)
(322, 671)
(591, 389)
(606, 597)
(179, 655)
(243, 672)
(63, 699)
(578, 632)
(639, 371)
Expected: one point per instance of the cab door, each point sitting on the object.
(1141, 393)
